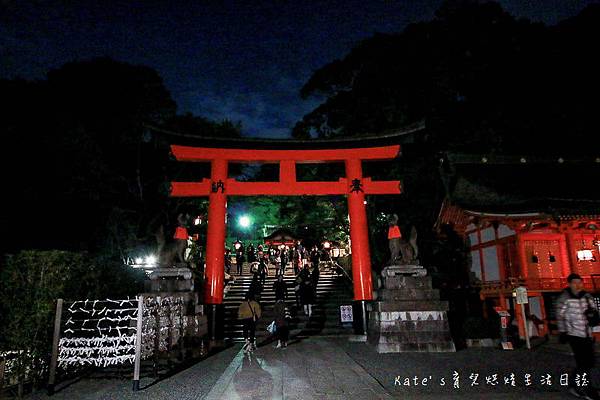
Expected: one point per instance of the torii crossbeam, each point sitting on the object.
(219, 186)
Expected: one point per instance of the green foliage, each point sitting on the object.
(314, 217)
(30, 283)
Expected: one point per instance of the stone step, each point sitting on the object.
(331, 292)
(407, 316)
(410, 337)
(407, 282)
(409, 305)
(414, 327)
(414, 347)
(407, 294)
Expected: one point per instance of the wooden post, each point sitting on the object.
(522, 256)
(181, 331)
(55, 341)
(138, 344)
(2, 367)
(525, 327)
(157, 334)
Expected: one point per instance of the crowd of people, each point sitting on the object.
(305, 266)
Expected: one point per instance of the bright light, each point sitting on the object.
(585, 255)
(139, 260)
(150, 260)
(238, 245)
(244, 221)
(326, 245)
(197, 221)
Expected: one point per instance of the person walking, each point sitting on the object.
(315, 256)
(262, 271)
(251, 255)
(255, 287)
(228, 260)
(314, 281)
(296, 260)
(297, 286)
(239, 259)
(306, 291)
(249, 312)
(280, 288)
(577, 313)
(282, 330)
(260, 253)
(283, 260)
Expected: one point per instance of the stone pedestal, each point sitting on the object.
(179, 282)
(170, 280)
(408, 315)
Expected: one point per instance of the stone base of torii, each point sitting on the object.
(408, 315)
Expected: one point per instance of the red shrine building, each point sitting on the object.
(525, 222)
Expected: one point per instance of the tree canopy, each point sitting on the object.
(482, 80)
(84, 171)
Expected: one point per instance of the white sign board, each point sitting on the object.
(346, 314)
(521, 294)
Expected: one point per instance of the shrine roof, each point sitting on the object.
(510, 186)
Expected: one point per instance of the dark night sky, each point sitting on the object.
(242, 61)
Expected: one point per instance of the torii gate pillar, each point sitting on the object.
(215, 240)
(219, 186)
(359, 234)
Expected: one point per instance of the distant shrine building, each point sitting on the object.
(525, 222)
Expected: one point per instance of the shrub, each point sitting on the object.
(30, 283)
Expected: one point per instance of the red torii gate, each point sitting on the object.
(219, 186)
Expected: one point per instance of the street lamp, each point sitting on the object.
(244, 221)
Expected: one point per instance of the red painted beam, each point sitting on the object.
(381, 187)
(190, 189)
(204, 154)
(235, 188)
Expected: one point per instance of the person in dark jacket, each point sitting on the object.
(315, 256)
(283, 261)
(573, 307)
(255, 287)
(228, 260)
(314, 281)
(306, 291)
(296, 260)
(280, 288)
(239, 259)
(262, 271)
(282, 330)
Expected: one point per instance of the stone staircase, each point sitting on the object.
(332, 291)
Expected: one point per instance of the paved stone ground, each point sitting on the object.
(192, 383)
(312, 369)
(333, 368)
(553, 359)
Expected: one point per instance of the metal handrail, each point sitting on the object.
(349, 282)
